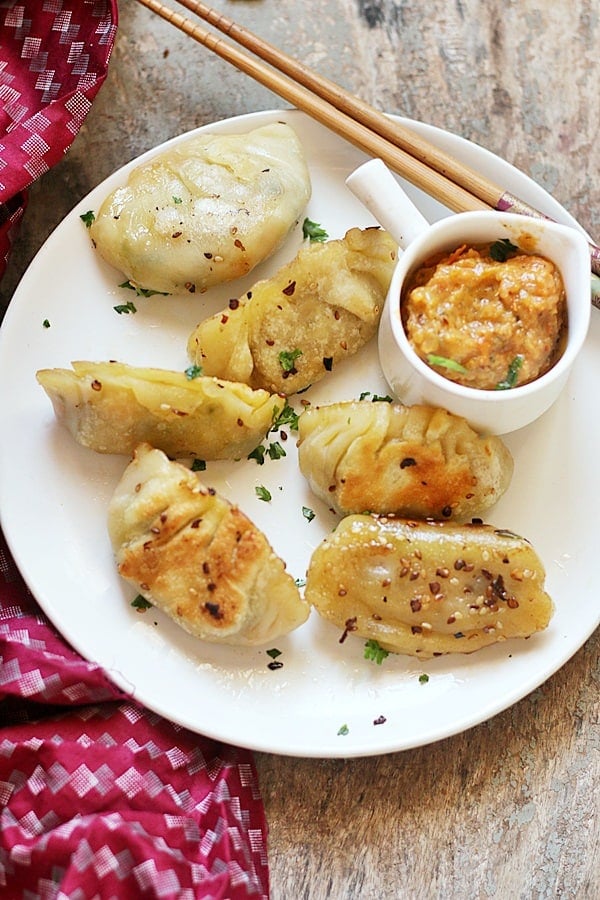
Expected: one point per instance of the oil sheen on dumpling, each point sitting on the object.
(206, 210)
(426, 589)
(289, 330)
(360, 456)
(111, 407)
(197, 557)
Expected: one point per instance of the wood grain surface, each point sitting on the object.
(510, 808)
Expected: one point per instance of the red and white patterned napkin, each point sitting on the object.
(100, 798)
(53, 60)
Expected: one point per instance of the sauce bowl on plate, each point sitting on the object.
(411, 378)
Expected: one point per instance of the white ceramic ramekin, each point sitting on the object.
(409, 377)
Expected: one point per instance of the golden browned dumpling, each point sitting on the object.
(428, 588)
(197, 557)
(206, 210)
(111, 407)
(288, 331)
(409, 460)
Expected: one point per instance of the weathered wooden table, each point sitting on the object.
(510, 808)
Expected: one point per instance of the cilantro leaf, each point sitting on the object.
(502, 249)
(375, 652)
(313, 231)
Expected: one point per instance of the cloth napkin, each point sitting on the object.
(101, 798)
(54, 58)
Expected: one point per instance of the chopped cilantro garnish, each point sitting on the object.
(193, 372)
(313, 231)
(125, 308)
(502, 249)
(376, 398)
(308, 513)
(177, 200)
(343, 730)
(287, 416)
(424, 678)
(512, 374)
(88, 218)
(273, 653)
(258, 454)
(287, 358)
(276, 451)
(46, 323)
(300, 582)
(262, 493)
(140, 603)
(198, 465)
(375, 652)
(140, 291)
(445, 363)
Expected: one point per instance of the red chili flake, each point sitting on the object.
(214, 610)
(274, 664)
(415, 604)
(237, 243)
(195, 523)
(447, 512)
(450, 620)
(176, 234)
(205, 568)
(350, 626)
(224, 319)
(289, 290)
(240, 422)
(208, 255)
(233, 303)
(211, 587)
(407, 462)
(416, 629)
(96, 385)
(337, 314)
(434, 587)
(459, 564)
(512, 603)
(163, 517)
(270, 342)
(190, 286)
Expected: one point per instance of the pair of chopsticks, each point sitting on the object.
(440, 175)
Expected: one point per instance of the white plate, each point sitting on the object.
(54, 494)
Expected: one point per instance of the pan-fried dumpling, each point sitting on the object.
(111, 407)
(419, 461)
(206, 210)
(197, 557)
(426, 589)
(288, 331)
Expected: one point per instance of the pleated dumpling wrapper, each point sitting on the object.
(197, 557)
(289, 330)
(426, 589)
(111, 407)
(206, 210)
(380, 457)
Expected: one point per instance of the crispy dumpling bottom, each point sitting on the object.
(428, 588)
(288, 331)
(197, 557)
(411, 461)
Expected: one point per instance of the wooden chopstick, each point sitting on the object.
(457, 186)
